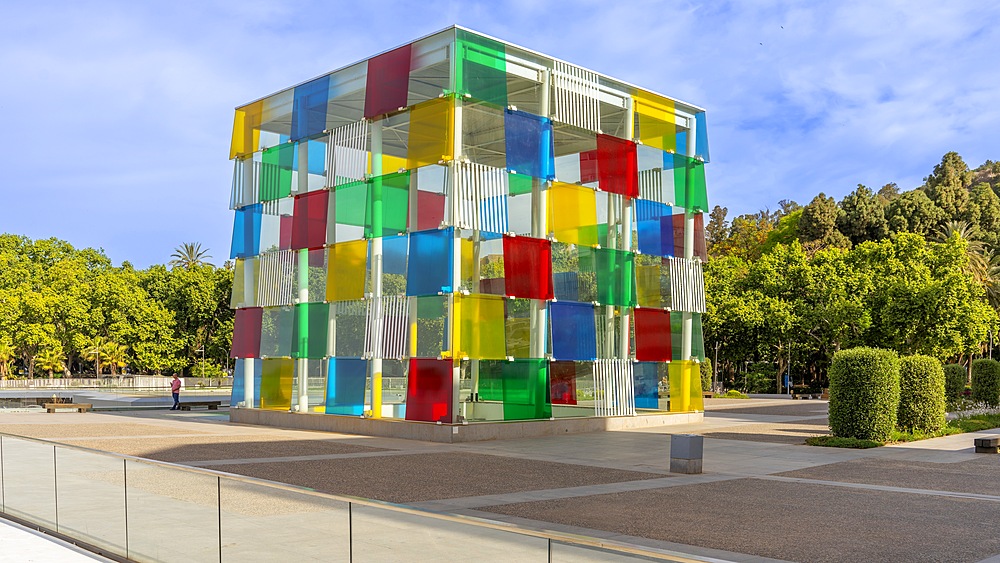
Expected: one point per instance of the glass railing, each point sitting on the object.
(145, 510)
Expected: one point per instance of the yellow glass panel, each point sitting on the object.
(647, 286)
(432, 129)
(685, 387)
(276, 384)
(347, 266)
(468, 258)
(392, 164)
(246, 130)
(657, 121)
(480, 331)
(519, 337)
(572, 214)
(239, 282)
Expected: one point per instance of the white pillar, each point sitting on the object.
(375, 364)
(688, 321)
(538, 321)
(302, 364)
(248, 382)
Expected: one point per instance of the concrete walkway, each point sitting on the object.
(763, 496)
(22, 545)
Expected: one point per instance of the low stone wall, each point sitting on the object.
(455, 433)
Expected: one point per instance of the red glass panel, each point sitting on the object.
(588, 167)
(309, 220)
(699, 236)
(527, 267)
(285, 232)
(430, 210)
(617, 168)
(562, 383)
(652, 335)
(246, 333)
(388, 80)
(428, 390)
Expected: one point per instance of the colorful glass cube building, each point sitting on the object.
(462, 230)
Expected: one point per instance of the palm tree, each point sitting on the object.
(49, 360)
(189, 255)
(114, 356)
(7, 354)
(94, 351)
(979, 254)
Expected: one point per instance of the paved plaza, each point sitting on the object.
(763, 495)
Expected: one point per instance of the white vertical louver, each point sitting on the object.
(687, 285)
(576, 96)
(614, 389)
(245, 189)
(387, 328)
(277, 278)
(347, 154)
(482, 198)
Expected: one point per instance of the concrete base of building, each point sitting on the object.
(454, 433)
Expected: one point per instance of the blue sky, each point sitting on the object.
(118, 114)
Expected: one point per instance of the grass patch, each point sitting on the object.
(972, 423)
(837, 442)
(975, 423)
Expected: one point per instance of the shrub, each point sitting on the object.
(734, 394)
(706, 374)
(921, 395)
(955, 376)
(864, 393)
(986, 381)
(835, 442)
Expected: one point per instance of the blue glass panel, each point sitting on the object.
(239, 377)
(429, 268)
(317, 157)
(529, 144)
(650, 226)
(701, 136)
(394, 254)
(566, 286)
(309, 108)
(345, 386)
(573, 334)
(246, 231)
(682, 144)
(646, 381)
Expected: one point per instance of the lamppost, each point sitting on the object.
(202, 350)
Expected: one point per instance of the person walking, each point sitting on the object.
(175, 390)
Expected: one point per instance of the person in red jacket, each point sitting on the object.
(175, 390)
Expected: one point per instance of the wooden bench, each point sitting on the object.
(707, 394)
(78, 407)
(805, 395)
(212, 405)
(988, 445)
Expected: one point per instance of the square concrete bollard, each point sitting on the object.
(989, 445)
(686, 453)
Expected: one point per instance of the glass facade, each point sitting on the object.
(463, 230)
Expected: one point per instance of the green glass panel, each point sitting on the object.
(526, 390)
(676, 325)
(615, 278)
(429, 340)
(351, 200)
(276, 332)
(311, 323)
(388, 205)
(519, 184)
(491, 380)
(697, 338)
(690, 189)
(482, 68)
(276, 172)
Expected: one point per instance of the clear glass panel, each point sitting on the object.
(29, 481)
(173, 515)
(92, 498)
(257, 519)
(383, 535)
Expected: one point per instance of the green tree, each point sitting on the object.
(862, 216)
(913, 212)
(818, 224)
(717, 229)
(947, 186)
(115, 356)
(50, 360)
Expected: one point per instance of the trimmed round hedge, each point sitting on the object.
(955, 376)
(986, 381)
(864, 393)
(921, 394)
